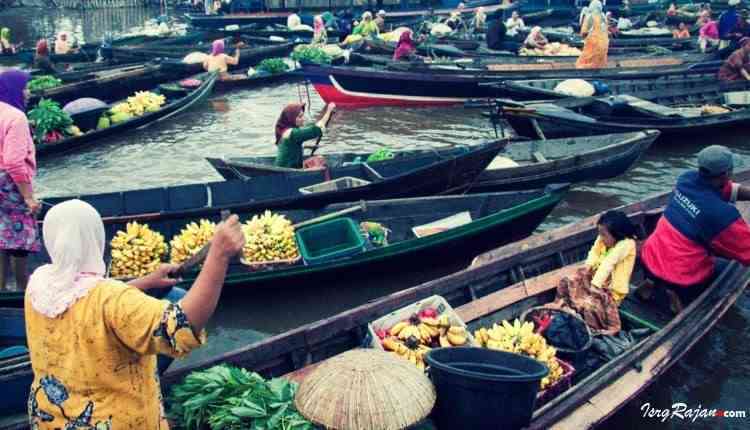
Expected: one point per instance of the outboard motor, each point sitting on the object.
(105, 49)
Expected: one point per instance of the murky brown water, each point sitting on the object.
(715, 374)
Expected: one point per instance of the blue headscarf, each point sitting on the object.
(727, 21)
(12, 84)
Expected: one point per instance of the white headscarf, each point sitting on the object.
(74, 237)
(595, 7)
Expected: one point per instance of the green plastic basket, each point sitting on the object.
(329, 240)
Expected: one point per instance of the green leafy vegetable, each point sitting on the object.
(273, 66)
(310, 54)
(380, 155)
(43, 82)
(225, 397)
(47, 118)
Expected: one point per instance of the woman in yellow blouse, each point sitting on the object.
(599, 288)
(93, 341)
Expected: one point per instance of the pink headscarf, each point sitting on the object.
(217, 47)
(405, 46)
(319, 25)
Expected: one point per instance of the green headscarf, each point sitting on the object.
(5, 34)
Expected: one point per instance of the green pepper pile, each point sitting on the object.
(43, 82)
(273, 66)
(49, 121)
(225, 397)
(310, 54)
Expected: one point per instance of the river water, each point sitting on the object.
(715, 374)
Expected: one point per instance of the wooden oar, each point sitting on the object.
(198, 257)
(361, 206)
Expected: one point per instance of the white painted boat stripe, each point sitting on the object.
(392, 96)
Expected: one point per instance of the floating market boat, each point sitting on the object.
(684, 88)
(501, 285)
(672, 113)
(537, 163)
(120, 82)
(516, 214)
(15, 375)
(178, 100)
(408, 84)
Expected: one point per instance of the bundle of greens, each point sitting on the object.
(43, 82)
(310, 54)
(49, 121)
(225, 397)
(380, 155)
(273, 66)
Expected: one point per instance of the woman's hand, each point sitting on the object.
(33, 204)
(228, 239)
(157, 279)
(331, 107)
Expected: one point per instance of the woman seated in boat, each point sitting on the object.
(704, 15)
(291, 133)
(62, 43)
(320, 35)
(42, 60)
(380, 21)
(6, 47)
(405, 48)
(672, 11)
(514, 24)
(480, 20)
(708, 36)
(535, 39)
(596, 39)
(454, 21)
(219, 62)
(601, 285)
(681, 32)
(737, 66)
(495, 34)
(93, 341)
(363, 30)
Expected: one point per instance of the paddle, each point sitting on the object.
(198, 257)
(317, 142)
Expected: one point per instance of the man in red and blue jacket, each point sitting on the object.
(699, 227)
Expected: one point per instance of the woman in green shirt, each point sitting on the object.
(291, 133)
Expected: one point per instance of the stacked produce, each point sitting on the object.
(552, 49)
(269, 237)
(137, 251)
(273, 66)
(411, 339)
(141, 103)
(310, 54)
(43, 82)
(225, 397)
(519, 338)
(190, 240)
(51, 123)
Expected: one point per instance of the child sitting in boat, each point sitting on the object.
(291, 133)
(598, 288)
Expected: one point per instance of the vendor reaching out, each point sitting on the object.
(219, 62)
(291, 133)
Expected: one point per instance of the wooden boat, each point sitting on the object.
(539, 162)
(681, 88)
(241, 80)
(501, 285)
(514, 213)
(15, 377)
(672, 114)
(408, 85)
(121, 82)
(178, 100)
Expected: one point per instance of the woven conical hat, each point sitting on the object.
(365, 389)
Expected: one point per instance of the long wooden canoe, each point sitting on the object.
(13, 361)
(539, 162)
(500, 285)
(174, 106)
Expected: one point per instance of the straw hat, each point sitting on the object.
(365, 389)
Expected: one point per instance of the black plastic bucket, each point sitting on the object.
(483, 388)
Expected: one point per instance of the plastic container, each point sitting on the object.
(86, 121)
(562, 385)
(334, 185)
(329, 240)
(481, 388)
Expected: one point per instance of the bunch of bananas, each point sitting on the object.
(520, 338)
(140, 103)
(137, 251)
(269, 237)
(419, 334)
(190, 240)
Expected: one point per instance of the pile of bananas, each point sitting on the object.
(413, 338)
(140, 103)
(269, 237)
(137, 251)
(190, 240)
(520, 338)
